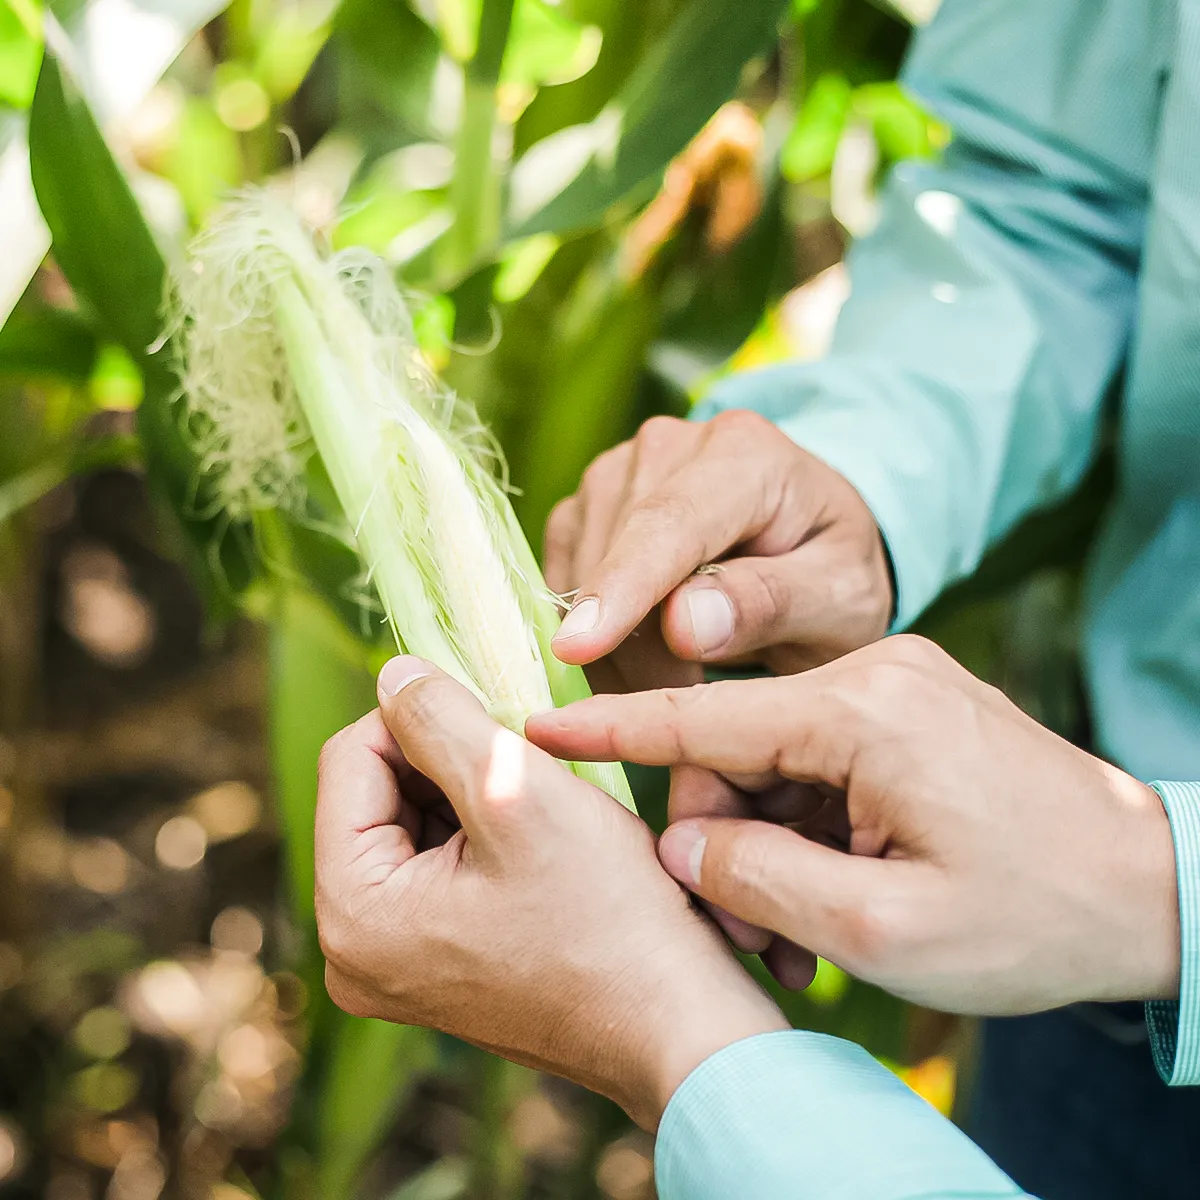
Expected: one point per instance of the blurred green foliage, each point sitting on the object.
(504, 156)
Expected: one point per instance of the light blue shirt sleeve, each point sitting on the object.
(991, 310)
(1175, 1026)
(805, 1116)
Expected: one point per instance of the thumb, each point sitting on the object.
(811, 597)
(777, 879)
(444, 732)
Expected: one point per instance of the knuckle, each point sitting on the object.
(681, 708)
(764, 603)
(561, 520)
(741, 423)
(332, 750)
(747, 863)
(603, 470)
(914, 650)
(660, 431)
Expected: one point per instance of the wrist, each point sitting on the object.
(1152, 936)
(713, 1014)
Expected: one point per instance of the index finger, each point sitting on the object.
(802, 727)
(696, 515)
(358, 793)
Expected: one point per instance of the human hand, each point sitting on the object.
(802, 573)
(993, 868)
(467, 882)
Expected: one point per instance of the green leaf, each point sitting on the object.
(375, 1065)
(319, 684)
(393, 54)
(813, 141)
(902, 128)
(101, 241)
(288, 48)
(726, 297)
(379, 213)
(546, 47)
(20, 50)
(114, 83)
(205, 162)
(520, 265)
(62, 462)
(588, 401)
(692, 70)
(116, 383)
(446, 1179)
(48, 343)
(458, 27)
(109, 256)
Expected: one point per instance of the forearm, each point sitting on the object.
(806, 1115)
(991, 309)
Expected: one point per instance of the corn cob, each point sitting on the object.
(287, 352)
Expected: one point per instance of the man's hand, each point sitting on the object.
(801, 574)
(468, 882)
(993, 868)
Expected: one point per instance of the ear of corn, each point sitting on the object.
(285, 352)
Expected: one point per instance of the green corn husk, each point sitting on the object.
(285, 351)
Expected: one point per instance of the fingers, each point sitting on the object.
(360, 816)
(558, 551)
(695, 516)
(602, 495)
(793, 966)
(747, 938)
(815, 598)
(805, 727)
(492, 777)
(643, 661)
(698, 792)
(776, 879)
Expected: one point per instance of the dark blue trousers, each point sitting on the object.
(1070, 1105)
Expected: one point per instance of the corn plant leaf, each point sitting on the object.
(388, 57)
(546, 47)
(813, 140)
(48, 343)
(319, 683)
(694, 69)
(588, 404)
(20, 50)
(119, 49)
(373, 1066)
(66, 459)
(110, 258)
(101, 241)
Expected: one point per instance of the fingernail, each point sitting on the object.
(399, 672)
(681, 850)
(583, 618)
(711, 615)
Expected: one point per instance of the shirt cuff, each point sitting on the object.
(868, 450)
(1175, 1025)
(801, 1114)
